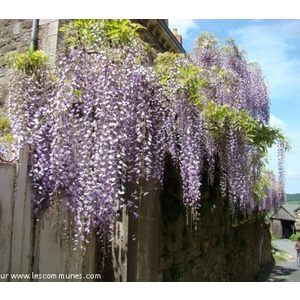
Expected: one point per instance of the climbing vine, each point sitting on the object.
(215, 121)
(103, 116)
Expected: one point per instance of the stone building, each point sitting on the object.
(15, 35)
(44, 34)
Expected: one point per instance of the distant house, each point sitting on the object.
(297, 222)
(286, 221)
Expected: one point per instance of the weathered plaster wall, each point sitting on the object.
(38, 249)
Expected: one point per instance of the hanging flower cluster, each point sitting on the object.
(92, 124)
(242, 87)
(271, 192)
(103, 116)
(221, 104)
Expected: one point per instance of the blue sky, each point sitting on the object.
(275, 46)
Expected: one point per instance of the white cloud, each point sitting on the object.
(183, 26)
(293, 175)
(275, 46)
(277, 123)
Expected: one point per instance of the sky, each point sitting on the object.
(275, 45)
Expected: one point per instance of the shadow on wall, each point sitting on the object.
(212, 249)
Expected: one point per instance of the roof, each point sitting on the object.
(295, 210)
(286, 212)
(159, 36)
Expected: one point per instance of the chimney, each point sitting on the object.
(178, 37)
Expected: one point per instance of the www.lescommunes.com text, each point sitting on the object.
(35, 276)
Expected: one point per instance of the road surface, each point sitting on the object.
(286, 271)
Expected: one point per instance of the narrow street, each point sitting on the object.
(286, 271)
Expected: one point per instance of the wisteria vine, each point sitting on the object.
(103, 116)
(241, 86)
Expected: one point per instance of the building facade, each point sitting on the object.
(286, 221)
(19, 34)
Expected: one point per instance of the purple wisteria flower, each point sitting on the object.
(100, 120)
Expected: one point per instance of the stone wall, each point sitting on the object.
(15, 35)
(216, 250)
(161, 246)
(49, 36)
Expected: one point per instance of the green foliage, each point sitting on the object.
(208, 39)
(5, 127)
(293, 198)
(257, 133)
(192, 83)
(28, 62)
(172, 66)
(7, 139)
(86, 32)
(121, 30)
(5, 131)
(266, 136)
(81, 32)
(163, 63)
(294, 237)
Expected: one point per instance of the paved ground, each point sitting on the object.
(287, 271)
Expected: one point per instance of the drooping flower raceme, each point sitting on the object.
(242, 87)
(103, 117)
(222, 114)
(91, 125)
